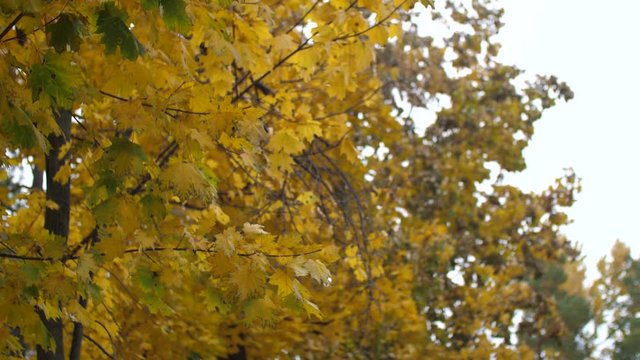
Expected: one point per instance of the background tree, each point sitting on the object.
(616, 297)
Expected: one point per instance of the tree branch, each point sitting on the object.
(129, 251)
(356, 34)
(304, 16)
(301, 47)
(11, 25)
(25, 258)
(78, 334)
(97, 344)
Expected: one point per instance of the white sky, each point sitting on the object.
(595, 47)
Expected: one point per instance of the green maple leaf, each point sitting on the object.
(22, 132)
(55, 79)
(66, 31)
(147, 279)
(115, 32)
(153, 207)
(215, 301)
(428, 3)
(124, 157)
(173, 13)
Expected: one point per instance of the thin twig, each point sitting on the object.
(301, 47)
(362, 32)
(94, 342)
(25, 258)
(304, 16)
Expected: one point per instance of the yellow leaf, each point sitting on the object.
(312, 309)
(378, 35)
(248, 280)
(253, 229)
(187, 182)
(63, 175)
(51, 311)
(86, 264)
(79, 313)
(281, 161)
(318, 271)
(52, 205)
(348, 150)
(283, 281)
(226, 242)
(308, 130)
(307, 198)
(286, 142)
(283, 44)
(259, 309)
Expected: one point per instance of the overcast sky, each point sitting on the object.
(595, 47)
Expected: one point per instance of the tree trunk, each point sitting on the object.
(240, 355)
(37, 178)
(78, 331)
(56, 221)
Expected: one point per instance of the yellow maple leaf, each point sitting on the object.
(226, 241)
(349, 150)
(248, 280)
(283, 44)
(312, 309)
(281, 161)
(187, 182)
(285, 141)
(253, 229)
(79, 313)
(308, 130)
(318, 271)
(283, 281)
(63, 175)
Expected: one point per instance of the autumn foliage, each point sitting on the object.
(199, 179)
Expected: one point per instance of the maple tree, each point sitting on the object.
(240, 179)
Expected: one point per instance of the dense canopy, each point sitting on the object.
(198, 179)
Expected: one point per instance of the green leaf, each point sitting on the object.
(124, 158)
(21, 131)
(112, 24)
(105, 212)
(31, 272)
(86, 264)
(173, 13)
(153, 206)
(93, 291)
(150, 4)
(427, 3)
(175, 16)
(187, 182)
(65, 32)
(147, 279)
(225, 3)
(55, 79)
(215, 301)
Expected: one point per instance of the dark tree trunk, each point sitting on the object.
(76, 341)
(240, 355)
(37, 178)
(56, 221)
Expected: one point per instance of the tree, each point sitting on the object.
(616, 297)
(240, 179)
